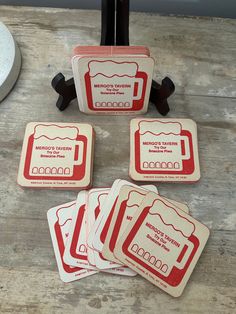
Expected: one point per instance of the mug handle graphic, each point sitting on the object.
(180, 264)
(79, 149)
(186, 146)
(139, 89)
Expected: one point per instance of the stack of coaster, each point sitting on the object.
(112, 80)
(57, 155)
(125, 230)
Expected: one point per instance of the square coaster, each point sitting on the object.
(59, 219)
(96, 197)
(102, 224)
(164, 150)
(56, 155)
(112, 80)
(76, 253)
(162, 243)
(128, 202)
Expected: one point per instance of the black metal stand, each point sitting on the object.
(114, 12)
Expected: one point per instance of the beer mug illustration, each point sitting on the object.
(55, 152)
(78, 248)
(162, 147)
(126, 212)
(64, 221)
(112, 85)
(171, 242)
(62, 227)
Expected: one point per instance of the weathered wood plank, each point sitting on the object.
(33, 290)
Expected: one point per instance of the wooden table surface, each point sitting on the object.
(199, 54)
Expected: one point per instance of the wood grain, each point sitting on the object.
(200, 55)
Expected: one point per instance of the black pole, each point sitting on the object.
(122, 22)
(108, 23)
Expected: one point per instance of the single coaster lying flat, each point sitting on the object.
(164, 150)
(127, 203)
(56, 155)
(162, 243)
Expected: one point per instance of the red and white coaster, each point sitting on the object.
(162, 243)
(59, 219)
(96, 198)
(164, 150)
(97, 237)
(112, 80)
(126, 206)
(76, 245)
(57, 156)
(102, 224)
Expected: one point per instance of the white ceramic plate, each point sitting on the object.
(10, 61)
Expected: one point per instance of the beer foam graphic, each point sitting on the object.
(62, 215)
(134, 198)
(112, 68)
(170, 217)
(157, 127)
(54, 131)
(101, 199)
